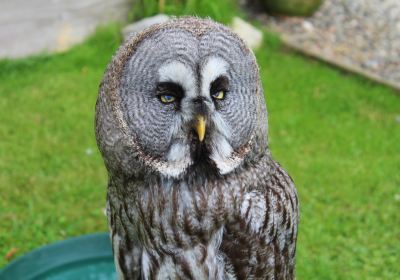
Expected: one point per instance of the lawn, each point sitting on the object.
(337, 134)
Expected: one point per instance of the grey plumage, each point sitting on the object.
(180, 207)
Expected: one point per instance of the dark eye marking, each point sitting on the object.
(169, 92)
(219, 87)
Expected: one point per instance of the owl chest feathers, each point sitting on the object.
(239, 226)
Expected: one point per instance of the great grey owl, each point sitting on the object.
(193, 192)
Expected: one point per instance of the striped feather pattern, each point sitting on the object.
(226, 227)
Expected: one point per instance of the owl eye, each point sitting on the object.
(169, 92)
(218, 95)
(219, 87)
(165, 98)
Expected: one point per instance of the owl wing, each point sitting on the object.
(261, 242)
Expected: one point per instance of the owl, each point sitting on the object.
(193, 192)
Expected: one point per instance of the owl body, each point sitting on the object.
(193, 190)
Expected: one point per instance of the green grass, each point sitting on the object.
(338, 137)
(335, 133)
(52, 180)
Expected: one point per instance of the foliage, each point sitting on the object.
(222, 10)
(337, 134)
(292, 7)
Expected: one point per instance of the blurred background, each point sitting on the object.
(331, 74)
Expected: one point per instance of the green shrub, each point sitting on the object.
(292, 7)
(222, 10)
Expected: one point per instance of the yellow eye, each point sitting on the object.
(167, 98)
(219, 95)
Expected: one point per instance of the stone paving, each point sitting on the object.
(46, 26)
(360, 35)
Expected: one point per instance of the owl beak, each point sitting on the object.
(200, 127)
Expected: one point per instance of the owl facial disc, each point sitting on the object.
(188, 100)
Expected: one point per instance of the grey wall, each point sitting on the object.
(35, 26)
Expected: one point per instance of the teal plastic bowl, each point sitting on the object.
(80, 258)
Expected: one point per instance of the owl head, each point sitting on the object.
(180, 96)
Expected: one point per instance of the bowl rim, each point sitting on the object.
(85, 248)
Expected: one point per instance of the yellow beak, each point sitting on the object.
(201, 127)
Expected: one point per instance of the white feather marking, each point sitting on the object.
(145, 264)
(191, 257)
(167, 270)
(178, 159)
(221, 148)
(214, 260)
(222, 151)
(216, 239)
(178, 152)
(227, 165)
(221, 154)
(116, 242)
(179, 73)
(257, 210)
(128, 260)
(220, 124)
(186, 196)
(212, 69)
